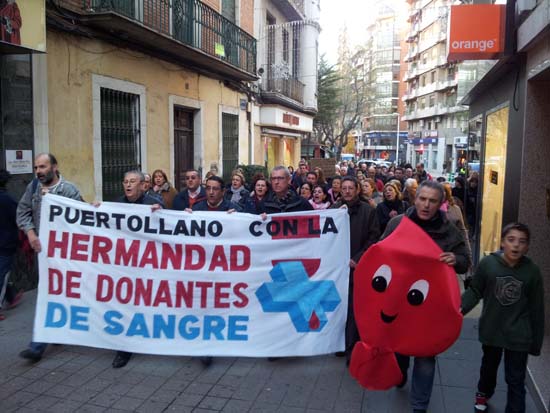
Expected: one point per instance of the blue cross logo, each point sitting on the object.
(305, 301)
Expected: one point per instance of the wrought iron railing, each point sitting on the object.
(289, 87)
(190, 22)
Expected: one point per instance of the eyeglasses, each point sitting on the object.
(278, 178)
(190, 177)
(131, 182)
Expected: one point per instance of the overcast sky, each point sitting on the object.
(355, 14)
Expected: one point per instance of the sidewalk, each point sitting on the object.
(71, 378)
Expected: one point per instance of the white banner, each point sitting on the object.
(208, 283)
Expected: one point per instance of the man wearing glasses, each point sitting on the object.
(214, 198)
(193, 194)
(282, 198)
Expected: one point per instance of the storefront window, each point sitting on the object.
(496, 137)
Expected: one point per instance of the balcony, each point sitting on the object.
(290, 87)
(292, 9)
(184, 31)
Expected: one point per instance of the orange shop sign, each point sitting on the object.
(476, 32)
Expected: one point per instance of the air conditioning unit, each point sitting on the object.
(437, 119)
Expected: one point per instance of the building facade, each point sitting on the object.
(509, 113)
(380, 61)
(435, 118)
(287, 32)
(146, 84)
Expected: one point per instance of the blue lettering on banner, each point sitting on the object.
(189, 327)
(57, 316)
(305, 301)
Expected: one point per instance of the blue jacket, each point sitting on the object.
(8, 225)
(181, 201)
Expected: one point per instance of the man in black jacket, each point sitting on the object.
(282, 198)
(192, 194)
(364, 231)
(426, 214)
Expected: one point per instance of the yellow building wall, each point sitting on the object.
(71, 63)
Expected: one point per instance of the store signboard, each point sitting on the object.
(476, 32)
(23, 26)
(426, 141)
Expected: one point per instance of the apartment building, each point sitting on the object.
(380, 62)
(437, 123)
(145, 84)
(287, 33)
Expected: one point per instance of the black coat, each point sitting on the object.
(292, 202)
(181, 201)
(364, 228)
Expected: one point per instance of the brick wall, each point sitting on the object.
(247, 16)
(215, 4)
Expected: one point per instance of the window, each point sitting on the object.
(228, 10)
(296, 33)
(120, 139)
(230, 144)
(432, 101)
(285, 46)
(432, 77)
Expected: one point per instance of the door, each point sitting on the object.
(183, 144)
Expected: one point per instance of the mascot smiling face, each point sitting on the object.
(405, 299)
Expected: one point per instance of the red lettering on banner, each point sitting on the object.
(221, 297)
(107, 281)
(129, 290)
(184, 293)
(79, 247)
(294, 227)
(126, 256)
(234, 251)
(238, 291)
(73, 284)
(55, 281)
(204, 286)
(149, 256)
(218, 259)
(143, 293)
(101, 246)
(62, 245)
(201, 259)
(163, 294)
(174, 256)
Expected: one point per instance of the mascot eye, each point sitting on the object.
(418, 292)
(381, 278)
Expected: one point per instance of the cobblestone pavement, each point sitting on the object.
(80, 379)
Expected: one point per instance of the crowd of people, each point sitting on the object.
(376, 199)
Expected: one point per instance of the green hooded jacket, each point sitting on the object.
(513, 304)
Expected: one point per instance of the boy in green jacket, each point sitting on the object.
(512, 319)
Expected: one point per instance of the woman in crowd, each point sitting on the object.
(237, 193)
(321, 180)
(335, 192)
(454, 214)
(409, 194)
(163, 188)
(369, 192)
(306, 190)
(261, 187)
(391, 206)
(320, 197)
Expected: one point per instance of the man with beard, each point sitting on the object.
(282, 198)
(364, 231)
(48, 180)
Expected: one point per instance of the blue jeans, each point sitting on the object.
(422, 379)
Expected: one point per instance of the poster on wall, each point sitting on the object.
(23, 24)
(19, 161)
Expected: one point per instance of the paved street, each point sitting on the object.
(71, 378)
